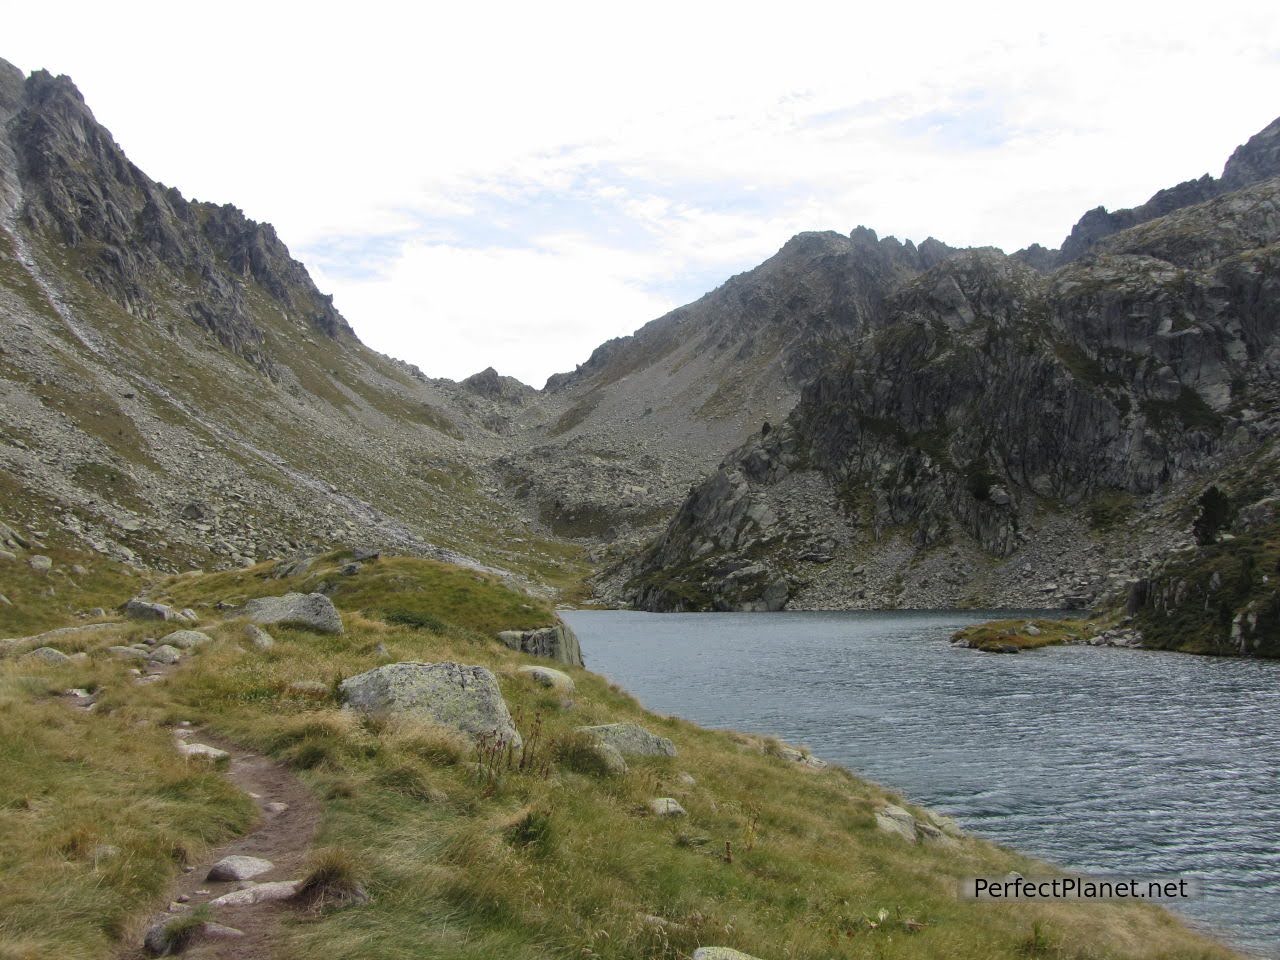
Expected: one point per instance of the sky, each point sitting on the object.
(509, 185)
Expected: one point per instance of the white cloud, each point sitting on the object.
(426, 160)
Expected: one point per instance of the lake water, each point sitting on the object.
(1105, 760)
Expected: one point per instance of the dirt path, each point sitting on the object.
(283, 837)
(289, 816)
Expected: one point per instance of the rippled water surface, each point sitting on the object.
(1105, 760)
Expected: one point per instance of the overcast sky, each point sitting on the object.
(511, 184)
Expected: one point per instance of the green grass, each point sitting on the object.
(1006, 636)
(35, 609)
(547, 858)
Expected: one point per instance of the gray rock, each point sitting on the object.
(186, 639)
(258, 893)
(140, 609)
(238, 868)
(631, 740)
(258, 637)
(555, 643)
(311, 611)
(48, 655)
(5, 601)
(128, 653)
(10, 538)
(549, 677)
(464, 697)
(202, 751)
(666, 807)
(897, 821)
(7, 556)
(721, 953)
(40, 563)
(164, 653)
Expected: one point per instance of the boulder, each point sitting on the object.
(631, 740)
(555, 643)
(186, 639)
(260, 639)
(311, 611)
(721, 953)
(10, 538)
(666, 807)
(48, 655)
(164, 653)
(549, 677)
(140, 609)
(895, 820)
(40, 563)
(6, 555)
(238, 868)
(127, 653)
(466, 698)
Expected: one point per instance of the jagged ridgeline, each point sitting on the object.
(176, 391)
(1002, 434)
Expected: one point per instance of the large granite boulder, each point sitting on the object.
(555, 643)
(311, 611)
(140, 609)
(631, 740)
(466, 698)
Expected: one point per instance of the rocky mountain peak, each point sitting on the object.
(1256, 160)
(137, 241)
(1253, 162)
(490, 383)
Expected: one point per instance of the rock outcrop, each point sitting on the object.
(985, 398)
(554, 643)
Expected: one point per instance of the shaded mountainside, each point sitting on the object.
(177, 392)
(623, 436)
(1005, 437)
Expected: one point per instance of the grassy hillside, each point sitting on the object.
(549, 858)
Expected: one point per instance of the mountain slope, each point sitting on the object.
(616, 443)
(176, 391)
(1002, 437)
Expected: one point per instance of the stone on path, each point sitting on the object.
(202, 750)
(165, 654)
(186, 639)
(238, 868)
(258, 893)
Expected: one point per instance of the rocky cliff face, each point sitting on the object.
(999, 436)
(137, 240)
(176, 391)
(619, 440)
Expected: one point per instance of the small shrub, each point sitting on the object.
(1216, 513)
(581, 753)
(416, 619)
(531, 828)
(333, 880)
